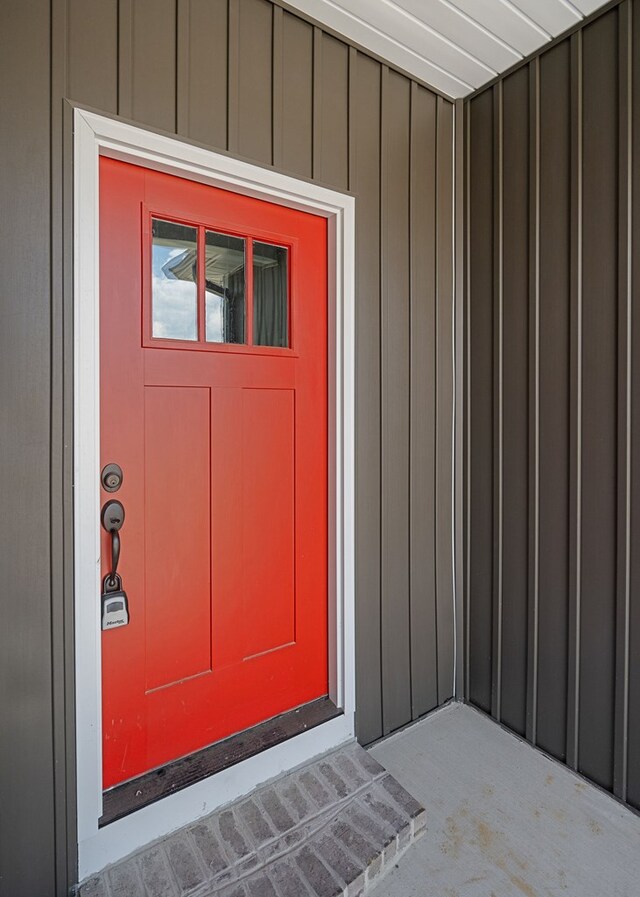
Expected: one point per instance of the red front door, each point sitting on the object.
(213, 365)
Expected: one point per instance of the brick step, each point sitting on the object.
(327, 829)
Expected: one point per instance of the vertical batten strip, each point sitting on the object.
(436, 275)
(436, 417)
(384, 82)
(411, 428)
(498, 213)
(459, 374)
(176, 63)
(277, 86)
(317, 103)
(534, 401)
(233, 83)
(467, 401)
(633, 710)
(625, 187)
(351, 115)
(125, 58)
(575, 478)
(444, 400)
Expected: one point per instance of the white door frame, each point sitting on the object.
(96, 135)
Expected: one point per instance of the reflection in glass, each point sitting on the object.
(224, 286)
(174, 281)
(270, 295)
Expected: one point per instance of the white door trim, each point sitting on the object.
(96, 135)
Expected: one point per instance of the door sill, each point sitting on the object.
(126, 798)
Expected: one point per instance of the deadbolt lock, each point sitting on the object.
(111, 477)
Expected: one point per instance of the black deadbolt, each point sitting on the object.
(112, 516)
(111, 477)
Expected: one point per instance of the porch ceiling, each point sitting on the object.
(455, 46)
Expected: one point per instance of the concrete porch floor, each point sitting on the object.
(503, 820)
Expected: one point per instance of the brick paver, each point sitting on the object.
(329, 829)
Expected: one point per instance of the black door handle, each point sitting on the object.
(112, 520)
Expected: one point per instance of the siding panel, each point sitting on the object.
(254, 68)
(599, 347)
(365, 140)
(555, 224)
(27, 770)
(480, 334)
(152, 62)
(581, 631)
(297, 96)
(423, 390)
(332, 95)
(515, 398)
(202, 71)
(93, 53)
(396, 661)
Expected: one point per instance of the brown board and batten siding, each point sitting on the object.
(553, 419)
(251, 78)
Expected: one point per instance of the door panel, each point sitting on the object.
(177, 533)
(224, 453)
(268, 495)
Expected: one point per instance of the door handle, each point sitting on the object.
(112, 518)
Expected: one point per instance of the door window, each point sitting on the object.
(202, 294)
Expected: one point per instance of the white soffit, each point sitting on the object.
(454, 45)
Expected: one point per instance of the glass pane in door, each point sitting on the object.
(224, 288)
(174, 276)
(270, 295)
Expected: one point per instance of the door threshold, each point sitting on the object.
(126, 798)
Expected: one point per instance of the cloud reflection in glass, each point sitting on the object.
(174, 281)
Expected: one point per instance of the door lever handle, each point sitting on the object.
(112, 518)
(115, 555)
